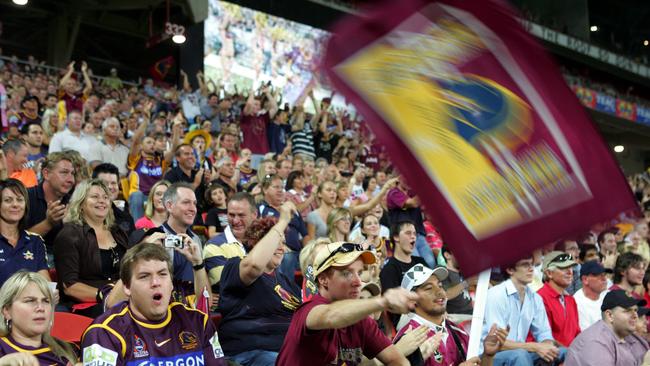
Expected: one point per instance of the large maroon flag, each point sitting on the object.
(478, 119)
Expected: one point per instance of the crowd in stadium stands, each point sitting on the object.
(208, 226)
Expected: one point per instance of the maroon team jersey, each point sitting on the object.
(345, 346)
(185, 337)
(43, 354)
(254, 130)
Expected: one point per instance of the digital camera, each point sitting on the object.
(173, 241)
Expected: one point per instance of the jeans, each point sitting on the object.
(290, 264)
(423, 250)
(136, 204)
(255, 358)
(520, 357)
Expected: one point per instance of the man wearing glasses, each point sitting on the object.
(561, 307)
(334, 327)
(513, 304)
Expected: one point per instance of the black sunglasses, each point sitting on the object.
(344, 248)
(562, 258)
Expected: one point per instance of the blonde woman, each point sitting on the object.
(338, 224)
(88, 249)
(27, 313)
(155, 213)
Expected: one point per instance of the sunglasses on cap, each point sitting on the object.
(561, 258)
(344, 248)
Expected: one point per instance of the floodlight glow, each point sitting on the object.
(178, 38)
(619, 148)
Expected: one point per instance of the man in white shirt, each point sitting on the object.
(110, 149)
(590, 297)
(72, 138)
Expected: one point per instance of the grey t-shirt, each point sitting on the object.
(461, 304)
(321, 227)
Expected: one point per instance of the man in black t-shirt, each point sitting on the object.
(403, 235)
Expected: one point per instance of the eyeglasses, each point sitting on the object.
(561, 258)
(344, 248)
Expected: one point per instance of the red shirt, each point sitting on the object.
(343, 346)
(254, 130)
(562, 318)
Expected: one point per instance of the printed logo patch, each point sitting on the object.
(216, 346)
(28, 255)
(96, 355)
(139, 347)
(188, 340)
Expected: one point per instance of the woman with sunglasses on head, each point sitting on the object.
(27, 314)
(88, 250)
(244, 281)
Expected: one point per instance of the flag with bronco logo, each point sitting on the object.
(480, 122)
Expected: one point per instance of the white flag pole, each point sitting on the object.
(480, 300)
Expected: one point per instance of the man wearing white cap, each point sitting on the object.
(334, 327)
(431, 310)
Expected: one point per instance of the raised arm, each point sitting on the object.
(202, 86)
(343, 313)
(361, 209)
(88, 83)
(248, 108)
(255, 263)
(67, 75)
(186, 83)
(273, 109)
(138, 135)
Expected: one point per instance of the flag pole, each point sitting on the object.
(479, 313)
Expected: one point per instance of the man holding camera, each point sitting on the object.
(189, 268)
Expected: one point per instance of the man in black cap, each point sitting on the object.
(590, 297)
(611, 340)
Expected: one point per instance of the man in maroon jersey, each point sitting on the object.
(147, 329)
(334, 325)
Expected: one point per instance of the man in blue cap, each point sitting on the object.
(590, 297)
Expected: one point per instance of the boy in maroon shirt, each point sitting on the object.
(334, 327)
(148, 330)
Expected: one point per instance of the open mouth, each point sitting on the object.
(157, 298)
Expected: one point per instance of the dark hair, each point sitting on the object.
(512, 265)
(292, 177)
(366, 182)
(145, 252)
(18, 188)
(646, 279)
(213, 95)
(25, 129)
(244, 196)
(397, 227)
(623, 262)
(445, 249)
(208, 192)
(106, 168)
(584, 248)
(257, 229)
(177, 152)
(601, 236)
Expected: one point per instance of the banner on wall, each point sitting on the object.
(471, 108)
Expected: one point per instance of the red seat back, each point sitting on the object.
(69, 327)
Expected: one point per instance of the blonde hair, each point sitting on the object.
(148, 206)
(75, 210)
(335, 215)
(309, 252)
(11, 289)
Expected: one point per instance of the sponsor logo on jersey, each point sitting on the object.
(216, 346)
(96, 355)
(188, 340)
(139, 347)
(187, 359)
